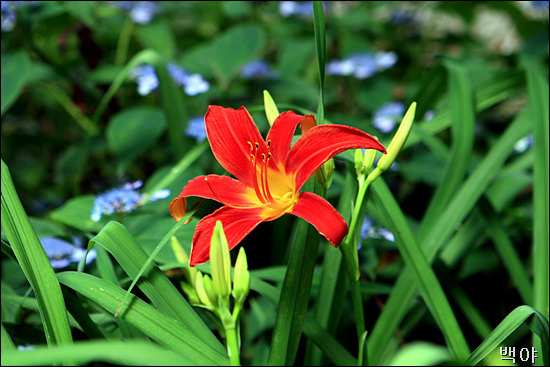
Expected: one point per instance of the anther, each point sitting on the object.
(268, 143)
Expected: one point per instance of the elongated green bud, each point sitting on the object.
(220, 262)
(201, 290)
(398, 140)
(209, 289)
(241, 277)
(271, 110)
(225, 315)
(181, 256)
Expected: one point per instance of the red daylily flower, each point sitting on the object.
(269, 175)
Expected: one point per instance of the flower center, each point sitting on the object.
(273, 188)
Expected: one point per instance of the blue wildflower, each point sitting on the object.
(196, 128)
(124, 199)
(300, 8)
(257, 69)
(9, 13)
(23, 348)
(369, 230)
(429, 115)
(62, 253)
(146, 78)
(142, 12)
(193, 84)
(388, 115)
(362, 65)
(524, 143)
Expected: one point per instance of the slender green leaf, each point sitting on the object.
(125, 352)
(461, 204)
(426, 280)
(295, 293)
(35, 264)
(154, 283)
(7, 343)
(510, 323)
(155, 324)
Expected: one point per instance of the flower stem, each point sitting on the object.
(232, 341)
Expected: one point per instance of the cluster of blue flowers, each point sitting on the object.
(9, 13)
(141, 12)
(369, 230)
(196, 128)
(62, 253)
(362, 65)
(124, 199)
(299, 8)
(257, 69)
(147, 80)
(388, 115)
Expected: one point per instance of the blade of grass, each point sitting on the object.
(154, 283)
(537, 82)
(507, 326)
(174, 109)
(462, 130)
(506, 251)
(7, 343)
(157, 325)
(426, 280)
(127, 352)
(145, 56)
(333, 283)
(461, 204)
(320, 49)
(295, 293)
(35, 264)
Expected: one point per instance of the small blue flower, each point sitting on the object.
(524, 143)
(429, 115)
(362, 65)
(385, 60)
(23, 348)
(369, 230)
(62, 253)
(386, 117)
(146, 78)
(300, 8)
(9, 13)
(142, 12)
(160, 194)
(257, 69)
(195, 84)
(196, 128)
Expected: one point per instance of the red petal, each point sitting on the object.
(226, 190)
(237, 223)
(230, 133)
(320, 144)
(318, 212)
(281, 134)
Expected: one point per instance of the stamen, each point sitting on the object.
(269, 143)
(255, 174)
(265, 181)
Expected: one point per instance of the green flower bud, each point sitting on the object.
(181, 256)
(358, 162)
(398, 140)
(241, 278)
(209, 289)
(191, 293)
(201, 290)
(225, 315)
(220, 262)
(324, 174)
(271, 110)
